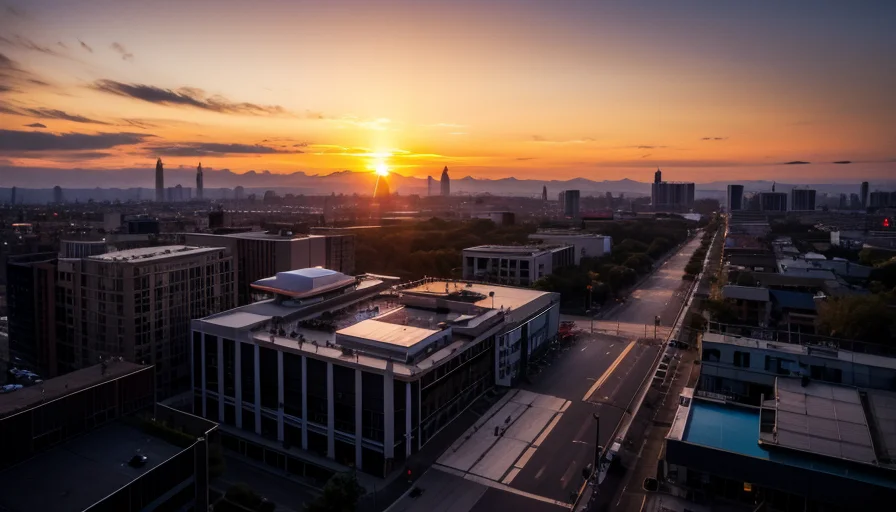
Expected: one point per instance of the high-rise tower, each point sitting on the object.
(199, 181)
(864, 194)
(544, 193)
(160, 181)
(658, 176)
(446, 183)
(429, 181)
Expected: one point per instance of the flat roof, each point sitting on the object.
(516, 249)
(793, 348)
(504, 296)
(56, 387)
(735, 429)
(385, 332)
(820, 418)
(255, 235)
(82, 471)
(152, 253)
(304, 282)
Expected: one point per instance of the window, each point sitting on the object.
(711, 354)
(741, 359)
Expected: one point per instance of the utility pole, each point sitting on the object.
(596, 443)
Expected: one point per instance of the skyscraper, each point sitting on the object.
(735, 197)
(569, 203)
(544, 193)
(13, 196)
(669, 195)
(429, 181)
(864, 194)
(802, 199)
(199, 182)
(446, 183)
(658, 176)
(57, 194)
(160, 181)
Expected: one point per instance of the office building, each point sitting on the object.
(864, 194)
(807, 446)
(160, 181)
(513, 264)
(259, 254)
(499, 218)
(57, 195)
(199, 183)
(670, 195)
(12, 196)
(429, 185)
(855, 202)
(735, 198)
(359, 370)
(138, 304)
(587, 245)
(74, 443)
(544, 193)
(239, 193)
(773, 201)
(844, 202)
(802, 199)
(569, 203)
(31, 299)
(445, 183)
(880, 199)
(744, 369)
(81, 248)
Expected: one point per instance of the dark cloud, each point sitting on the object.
(139, 123)
(714, 138)
(647, 146)
(61, 45)
(27, 44)
(12, 11)
(49, 113)
(13, 77)
(13, 140)
(85, 46)
(36, 125)
(213, 149)
(843, 162)
(186, 97)
(797, 162)
(119, 49)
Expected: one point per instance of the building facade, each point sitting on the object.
(587, 245)
(773, 201)
(445, 182)
(358, 370)
(138, 304)
(31, 299)
(260, 254)
(669, 195)
(802, 199)
(515, 265)
(160, 181)
(569, 203)
(735, 198)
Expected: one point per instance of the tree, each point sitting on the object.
(340, 494)
(885, 273)
(857, 317)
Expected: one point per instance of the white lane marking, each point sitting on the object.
(583, 348)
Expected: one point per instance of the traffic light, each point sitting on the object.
(886, 223)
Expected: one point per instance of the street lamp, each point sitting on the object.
(596, 441)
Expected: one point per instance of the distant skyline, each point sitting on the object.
(558, 89)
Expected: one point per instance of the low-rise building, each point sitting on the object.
(85, 441)
(807, 446)
(587, 245)
(339, 371)
(515, 265)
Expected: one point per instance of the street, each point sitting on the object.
(597, 375)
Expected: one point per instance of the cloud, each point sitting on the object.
(12, 11)
(61, 45)
(646, 146)
(544, 140)
(213, 149)
(13, 77)
(36, 125)
(27, 44)
(445, 125)
(185, 97)
(85, 46)
(843, 162)
(797, 162)
(119, 49)
(48, 113)
(14, 141)
(525, 158)
(714, 138)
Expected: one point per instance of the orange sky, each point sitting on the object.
(547, 90)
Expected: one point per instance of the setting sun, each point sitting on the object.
(381, 169)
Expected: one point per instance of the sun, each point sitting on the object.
(382, 169)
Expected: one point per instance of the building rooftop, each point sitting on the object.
(255, 235)
(493, 296)
(56, 387)
(797, 349)
(530, 250)
(78, 473)
(387, 333)
(151, 253)
(736, 429)
(565, 233)
(750, 293)
(793, 300)
(820, 418)
(304, 282)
